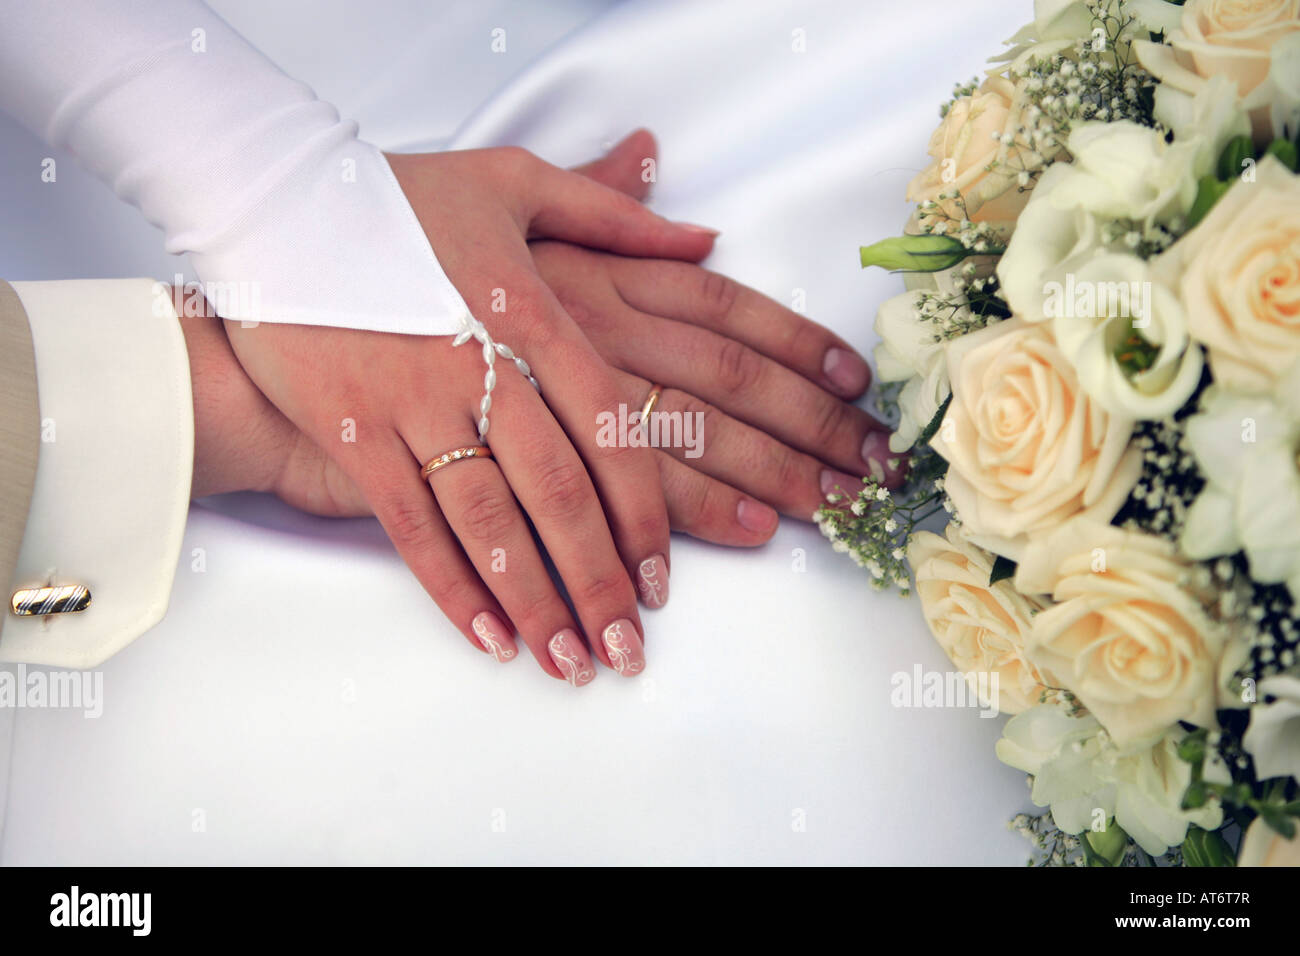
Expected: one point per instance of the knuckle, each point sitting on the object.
(739, 367)
(563, 489)
(485, 513)
(718, 293)
(830, 422)
(410, 526)
(605, 588)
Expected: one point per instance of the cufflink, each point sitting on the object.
(60, 599)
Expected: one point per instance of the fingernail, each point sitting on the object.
(570, 656)
(755, 516)
(652, 581)
(494, 636)
(846, 371)
(876, 454)
(623, 644)
(703, 230)
(837, 483)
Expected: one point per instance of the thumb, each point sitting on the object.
(628, 167)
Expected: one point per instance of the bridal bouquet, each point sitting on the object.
(1095, 372)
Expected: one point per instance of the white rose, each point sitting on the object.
(1273, 738)
(1246, 448)
(1028, 449)
(1252, 43)
(1238, 273)
(1125, 636)
(1079, 771)
(1264, 846)
(910, 352)
(981, 628)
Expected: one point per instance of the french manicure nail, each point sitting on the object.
(570, 656)
(876, 454)
(703, 230)
(494, 637)
(652, 581)
(623, 644)
(845, 371)
(835, 483)
(756, 517)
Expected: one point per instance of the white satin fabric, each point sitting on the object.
(304, 701)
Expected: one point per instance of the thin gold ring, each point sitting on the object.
(650, 402)
(456, 454)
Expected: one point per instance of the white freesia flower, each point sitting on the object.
(1126, 636)
(1246, 448)
(909, 352)
(1251, 43)
(1078, 771)
(1126, 334)
(1273, 738)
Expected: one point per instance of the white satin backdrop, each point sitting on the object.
(303, 698)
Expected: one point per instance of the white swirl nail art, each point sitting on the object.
(575, 670)
(620, 651)
(491, 641)
(652, 589)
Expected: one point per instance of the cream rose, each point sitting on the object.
(981, 628)
(1238, 274)
(1126, 635)
(1264, 846)
(1250, 42)
(968, 159)
(1028, 449)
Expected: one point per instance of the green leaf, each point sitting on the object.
(915, 253)
(1207, 848)
(1196, 795)
(1277, 819)
(1105, 847)
(932, 429)
(1285, 150)
(1003, 568)
(1238, 150)
(1209, 192)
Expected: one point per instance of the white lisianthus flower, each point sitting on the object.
(1057, 26)
(1126, 635)
(1126, 334)
(1246, 448)
(981, 627)
(1264, 846)
(1080, 773)
(1251, 43)
(1125, 171)
(1273, 738)
(1238, 273)
(910, 352)
(1211, 119)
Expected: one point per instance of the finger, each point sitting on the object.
(566, 205)
(738, 456)
(680, 291)
(627, 166)
(753, 388)
(406, 509)
(482, 512)
(554, 488)
(710, 510)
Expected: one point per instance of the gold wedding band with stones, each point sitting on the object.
(456, 454)
(59, 599)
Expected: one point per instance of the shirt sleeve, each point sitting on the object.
(111, 493)
(287, 215)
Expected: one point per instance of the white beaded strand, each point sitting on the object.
(472, 328)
